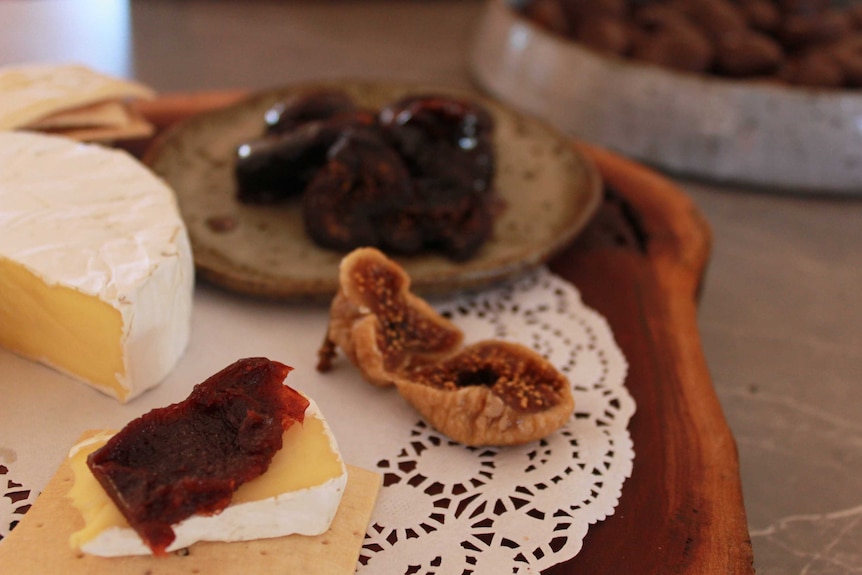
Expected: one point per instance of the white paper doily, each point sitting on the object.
(446, 508)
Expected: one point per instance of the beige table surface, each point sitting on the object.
(780, 315)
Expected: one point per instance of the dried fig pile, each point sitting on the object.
(795, 42)
(416, 175)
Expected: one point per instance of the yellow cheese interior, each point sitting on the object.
(305, 460)
(60, 326)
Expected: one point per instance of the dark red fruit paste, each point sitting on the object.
(188, 458)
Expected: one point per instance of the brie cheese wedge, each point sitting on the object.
(96, 271)
(298, 494)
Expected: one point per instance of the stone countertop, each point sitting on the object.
(780, 319)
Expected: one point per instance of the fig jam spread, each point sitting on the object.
(188, 458)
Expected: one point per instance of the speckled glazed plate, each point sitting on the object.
(547, 189)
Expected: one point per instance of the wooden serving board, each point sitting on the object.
(640, 264)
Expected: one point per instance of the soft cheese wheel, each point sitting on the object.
(299, 494)
(96, 272)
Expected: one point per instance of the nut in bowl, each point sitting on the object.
(771, 133)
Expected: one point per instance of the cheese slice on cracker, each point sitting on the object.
(299, 493)
(40, 543)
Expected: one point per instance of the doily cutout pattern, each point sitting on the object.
(450, 509)
(16, 501)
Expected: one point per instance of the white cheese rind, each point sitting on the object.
(95, 220)
(305, 512)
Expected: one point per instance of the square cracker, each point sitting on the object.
(135, 128)
(109, 113)
(40, 542)
(73, 101)
(103, 122)
(29, 93)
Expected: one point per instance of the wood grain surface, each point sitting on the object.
(639, 263)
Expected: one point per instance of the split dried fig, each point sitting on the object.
(488, 393)
(379, 324)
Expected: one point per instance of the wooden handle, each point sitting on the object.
(169, 109)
